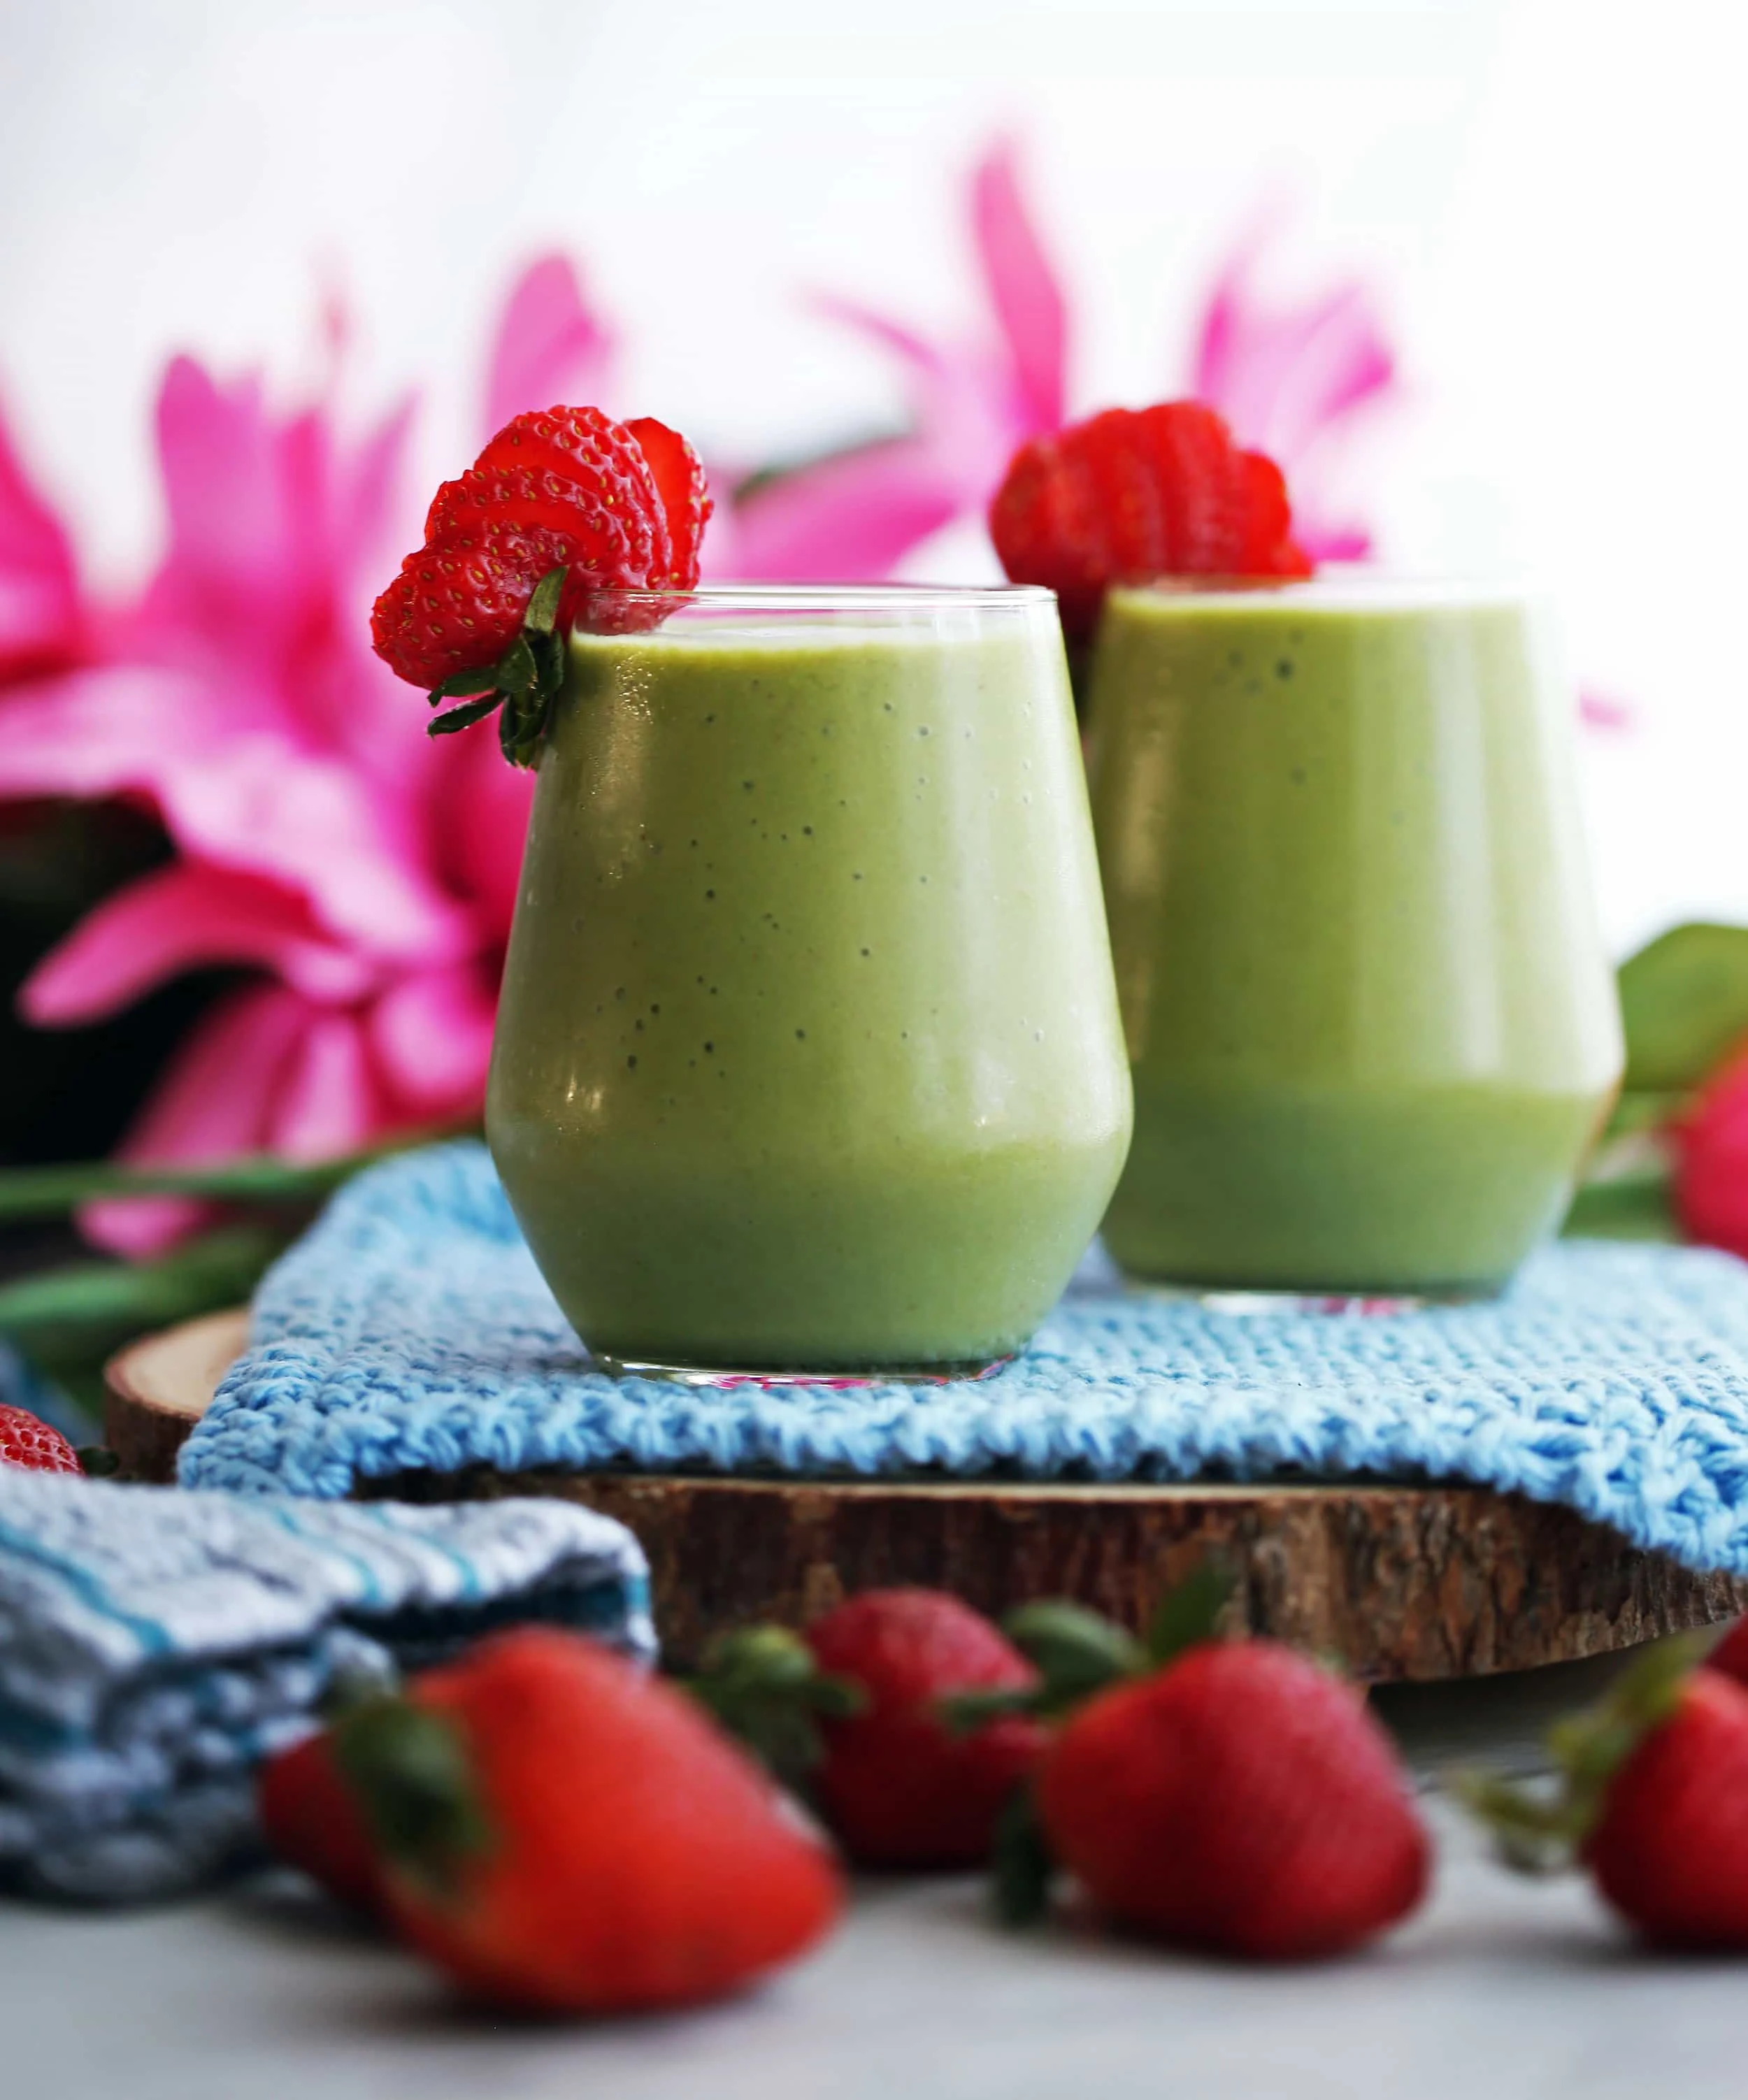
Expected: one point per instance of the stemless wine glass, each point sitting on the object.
(1372, 1024)
(808, 1058)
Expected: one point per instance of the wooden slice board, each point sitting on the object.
(1398, 1582)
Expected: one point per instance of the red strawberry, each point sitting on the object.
(897, 1785)
(27, 1441)
(1730, 1655)
(686, 500)
(466, 598)
(566, 494)
(1711, 1159)
(312, 1820)
(559, 1831)
(1669, 1847)
(1242, 1800)
(1134, 495)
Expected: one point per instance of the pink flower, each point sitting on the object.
(1292, 380)
(365, 875)
(42, 622)
(856, 515)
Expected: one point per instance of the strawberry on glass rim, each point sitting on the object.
(563, 503)
(1134, 495)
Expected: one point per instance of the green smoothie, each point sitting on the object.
(808, 1056)
(1371, 1025)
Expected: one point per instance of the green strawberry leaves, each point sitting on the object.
(1541, 1829)
(1684, 1005)
(763, 1685)
(412, 1775)
(1077, 1654)
(522, 684)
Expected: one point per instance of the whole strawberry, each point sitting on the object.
(1730, 1657)
(1242, 1800)
(1652, 1799)
(311, 1820)
(899, 1784)
(558, 1830)
(855, 1710)
(26, 1440)
(1669, 1849)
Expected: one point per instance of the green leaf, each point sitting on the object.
(516, 669)
(1634, 1207)
(1190, 1610)
(520, 730)
(543, 607)
(483, 678)
(1640, 1112)
(411, 1771)
(763, 1685)
(964, 1712)
(1023, 1867)
(121, 1298)
(1684, 1004)
(1074, 1651)
(40, 1191)
(463, 717)
(549, 660)
(1534, 1829)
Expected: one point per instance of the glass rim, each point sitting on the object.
(732, 597)
(1347, 584)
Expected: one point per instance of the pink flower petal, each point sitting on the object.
(187, 916)
(432, 1039)
(478, 821)
(549, 346)
(1023, 288)
(40, 618)
(238, 793)
(924, 359)
(328, 1101)
(213, 1103)
(1291, 380)
(1599, 711)
(851, 518)
(368, 508)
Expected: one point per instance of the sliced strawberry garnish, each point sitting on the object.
(1134, 495)
(685, 498)
(460, 606)
(612, 545)
(584, 447)
(562, 510)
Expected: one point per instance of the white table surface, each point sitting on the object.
(1500, 1990)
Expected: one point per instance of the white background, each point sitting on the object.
(1552, 193)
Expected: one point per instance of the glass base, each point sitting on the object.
(1243, 1302)
(838, 1381)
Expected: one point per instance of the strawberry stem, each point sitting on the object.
(1540, 1830)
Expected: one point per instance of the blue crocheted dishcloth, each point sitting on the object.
(410, 1330)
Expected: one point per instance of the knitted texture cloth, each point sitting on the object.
(410, 1330)
(154, 1644)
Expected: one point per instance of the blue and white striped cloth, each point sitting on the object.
(156, 1643)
